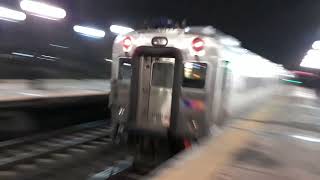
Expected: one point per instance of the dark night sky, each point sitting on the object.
(280, 30)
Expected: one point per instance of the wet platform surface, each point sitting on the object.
(280, 141)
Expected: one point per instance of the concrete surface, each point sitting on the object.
(279, 141)
(15, 90)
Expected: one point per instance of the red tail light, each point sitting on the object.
(127, 43)
(198, 44)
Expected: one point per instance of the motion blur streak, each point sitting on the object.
(11, 15)
(59, 46)
(22, 54)
(88, 31)
(311, 139)
(43, 10)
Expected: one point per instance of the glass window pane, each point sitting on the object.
(162, 75)
(194, 75)
(125, 69)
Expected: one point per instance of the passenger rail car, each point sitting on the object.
(180, 83)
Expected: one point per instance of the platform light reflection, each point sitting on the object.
(306, 138)
(22, 54)
(43, 58)
(51, 57)
(59, 46)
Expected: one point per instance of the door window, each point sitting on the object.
(162, 75)
(194, 75)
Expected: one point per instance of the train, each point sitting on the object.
(171, 87)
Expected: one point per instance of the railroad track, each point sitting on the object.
(31, 157)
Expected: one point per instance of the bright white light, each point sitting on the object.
(88, 31)
(311, 60)
(59, 46)
(109, 60)
(188, 65)
(316, 45)
(43, 10)
(31, 94)
(22, 54)
(126, 64)
(313, 52)
(305, 138)
(43, 58)
(120, 29)
(46, 56)
(229, 41)
(11, 15)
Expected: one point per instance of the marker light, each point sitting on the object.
(11, 15)
(127, 43)
(198, 44)
(159, 41)
(120, 29)
(88, 31)
(43, 10)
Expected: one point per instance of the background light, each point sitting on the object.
(59, 46)
(311, 60)
(108, 60)
(120, 29)
(88, 31)
(316, 45)
(11, 15)
(230, 41)
(22, 54)
(43, 10)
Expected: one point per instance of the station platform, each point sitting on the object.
(15, 93)
(280, 140)
(11, 90)
(35, 106)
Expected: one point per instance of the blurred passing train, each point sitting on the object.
(174, 85)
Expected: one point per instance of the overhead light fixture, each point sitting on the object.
(43, 10)
(89, 31)
(22, 54)
(11, 15)
(117, 29)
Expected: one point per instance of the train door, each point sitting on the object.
(155, 92)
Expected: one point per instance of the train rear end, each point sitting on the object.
(154, 115)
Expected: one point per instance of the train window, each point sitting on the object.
(194, 75)
(125, 69)
(162, 75)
